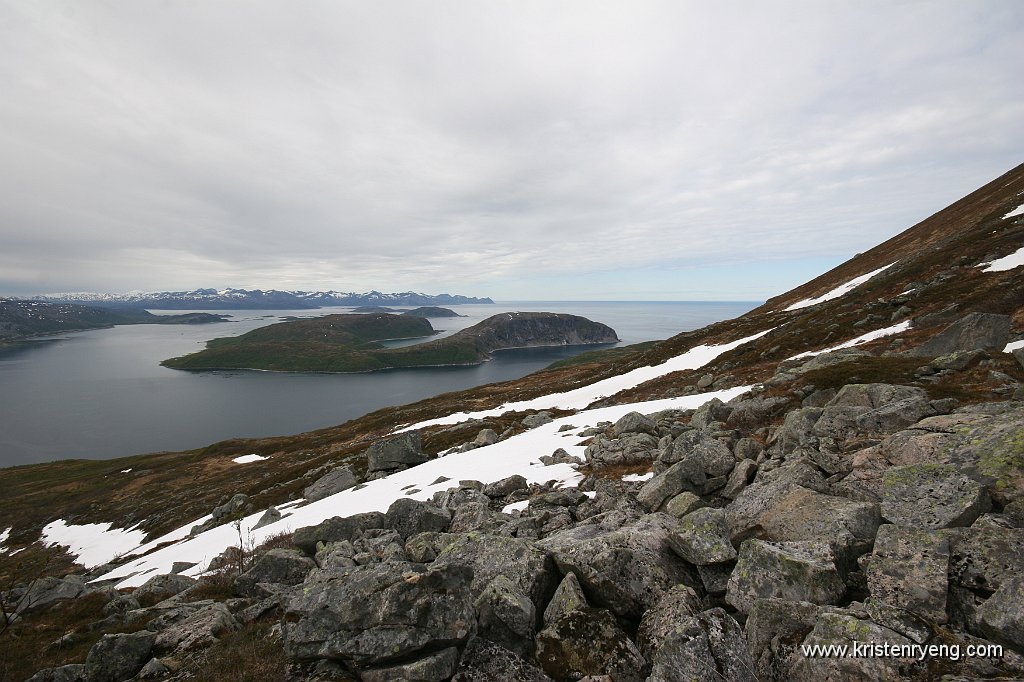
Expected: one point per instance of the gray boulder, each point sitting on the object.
(740, 478)
(199, 630)
(802, 514)
(505, 486)
(160, 587)
(752, 413)
(661, 620)
(796, 571)
(876, 408)
(684, 476)
(568, 597)
(234, 508)
(118, 657)
(932, 496)
(634, 422)
(277, 566)
(534, 420)
(45, 591)
(409, 517)
(487, 556)
(400, 452)
(337, 529)
(629, 448)
(909, 569)
(768, 489)
(708, 454)
(842, 629)
(485, 661)
(1001, 617)
(682, 504)
(708, 646)
(272, 515)
(973, 331)
(373, 615)
(702, 537)
(983, 558)
(774, 630)
(589, 642)
(506, 616)
(334, 481)
(434, 667)
(74, 672)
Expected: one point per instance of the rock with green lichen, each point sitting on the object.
(797, 571)
(589, 642)
(909, 569)
(707, 646)
(702, 537)
(932, 496)
(841, 629)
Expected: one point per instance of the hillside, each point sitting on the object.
(431, 311)
(344, 343)
(840, 466)
(24, 319)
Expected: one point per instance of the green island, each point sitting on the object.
(349, 342)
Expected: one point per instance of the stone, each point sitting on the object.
(588, 642)
(487, 556)
(634, 422)
(334, 481)
(796, 571)
(740, 477)
(747, 448)
(877, 408)
(279, 566)
(797, 430)
(708, 646)
(658, 622)
(909, 570)
(432, 668)
(630, 448)
(774, 630)
(505, 486)
(477, 516)
(752, 413)
(768, 489)
(981, 559)
(45, 591)
(272, 515)
(899, 620)
(486, 437)
(400, 452)
(568, 597)
(682, 504)
(1001, 617)
(154, 669)
(74, 672)
(702, 537)
(842, 629)
(708, 454)
(932, 496)
(534, 420)
(974, 331)
(802, 514)
(485, 661)
(199, 630)
(118, 657)
(506, 616)
(336, 529)
(409, 517)
(373, 615)
(160, 587)
(233, 508)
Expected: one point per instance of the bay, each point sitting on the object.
(102, 393)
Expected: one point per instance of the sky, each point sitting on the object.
(564, 150)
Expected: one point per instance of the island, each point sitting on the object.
(432, 311)
(21, 320)
(350, 342)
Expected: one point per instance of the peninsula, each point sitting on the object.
(348, 343)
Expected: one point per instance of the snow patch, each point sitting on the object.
(633, 478)
(1010, 347)
(3, 538)
(248, 459)
(92, 543)
(1015, 212)
(515, 506)
(1014, 260)
(126, 471)
(840, 290)
(863, 338)
(515, 455)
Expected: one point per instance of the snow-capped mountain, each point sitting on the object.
(270, 299)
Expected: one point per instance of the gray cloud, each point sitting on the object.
(488, 148)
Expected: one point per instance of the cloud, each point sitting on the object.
(486, 147)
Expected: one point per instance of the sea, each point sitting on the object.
(102, 394)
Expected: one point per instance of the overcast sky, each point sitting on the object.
(519, 150)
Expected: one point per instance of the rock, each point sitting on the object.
(432, 668)
(702, 537)
(842, 629)
(534, 420)
(272, 515)
(630, 448)
(484, 661)
(232, 509)
(958, 361)
(477, 516)
(588, 642)
(409, 517)
(848, 526)
(753, 413)
(747, 448)
(74, 672)
(568, 597)
(278, 566)
(506, 616)
(485, 437)
(160, 587)
(685, 476)
(796, 571)
(797, 429)
(626, 570)
(400, 452)
(715, 577)
(877, 408)
(1001, 617)
(682, 504)
(661, 620)
(634, 422)
(372, 615)
(981, 559)
(505, 486)
(199, 630)
(336, 480)
(740, 477)
(45, 591)
(708, 454)
(898, 620)
(336, 529)
(155, 669)
(487, 556)
(774, 630)
(118, 657)
(768, 489)
(973, 331)
(932, 496)
(909, 569)
(708, 646)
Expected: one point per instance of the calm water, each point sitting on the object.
(102, 394)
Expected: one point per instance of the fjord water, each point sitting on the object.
(102, 393)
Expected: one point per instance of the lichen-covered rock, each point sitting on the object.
(796, 571)
(626, 570)
(740, 477)
(74, 672)
(1001, 617)
(160, 587)
(118, 657)
(682, 504)
(840, 629)
(659, 621)
(629, 448)
(768, 489)
(477, 516)
(702, 537)
(751, 414)
(409, 517)
(932, 496)
(708, 646)
(485, 661)
(431, 668)
(682, 476)
(336, 529)
(973, 331)
(200, 629)
(334, 481)
(372, 615)
(47, 590)
(708, 454)
(634, 422)
(802, 514)
(878, 408)
(487, 556)
(981, 558)
(774, 630)
(568, 597)
(506, 616)
(278, 566)
(588, 642)
(909, 569)
(505, 486)
(399, 452)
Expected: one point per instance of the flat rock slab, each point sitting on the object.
(932, 496)
(796, 571)
(809, 515)
(909, 569)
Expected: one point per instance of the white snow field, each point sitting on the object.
(92, 543)
(1013, 345)
(1014, 260)
(248, 459)
(840, 290)
(863, 338)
